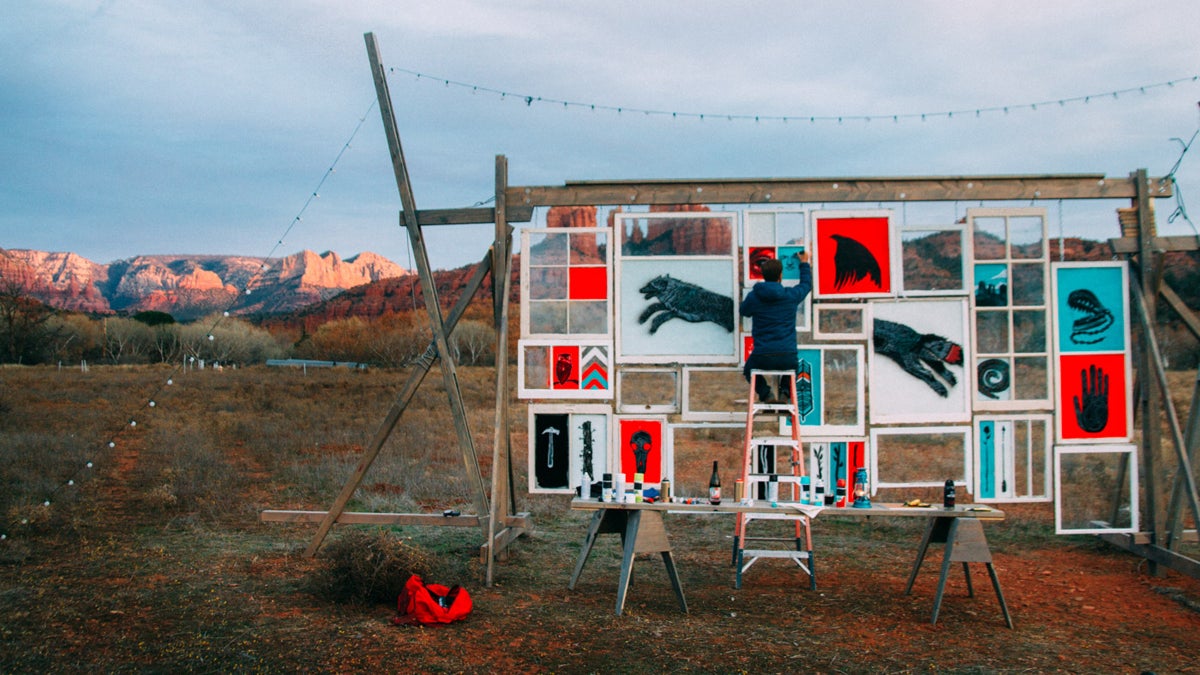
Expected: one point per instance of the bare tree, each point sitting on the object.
(21, 318)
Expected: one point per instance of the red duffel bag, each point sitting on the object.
(425, 604)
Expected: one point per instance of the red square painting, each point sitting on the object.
(588, 283)
(641, 448)
(1092, 399)
(564, 372)
(756, 255)
(853, 255)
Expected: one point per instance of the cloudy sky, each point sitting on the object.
(134, 127)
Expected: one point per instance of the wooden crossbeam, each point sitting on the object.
(477, 216)
(820, 190)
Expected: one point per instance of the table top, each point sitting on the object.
(978, 511)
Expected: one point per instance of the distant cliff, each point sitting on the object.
(189, 286)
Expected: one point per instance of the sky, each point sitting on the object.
(131, 127)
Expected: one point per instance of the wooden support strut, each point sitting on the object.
(421, 368)
(428, 287)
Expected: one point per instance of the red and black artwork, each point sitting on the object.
(641, 449)
(1092, 404)
(853, 256)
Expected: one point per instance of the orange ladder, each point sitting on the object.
(775, 485)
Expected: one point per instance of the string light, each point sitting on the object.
(530, 99)
(151, 402)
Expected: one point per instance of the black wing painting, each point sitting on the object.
(854, 262)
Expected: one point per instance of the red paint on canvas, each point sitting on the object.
(564, 369)
(654, 430)
(851, 253)
(588, 283)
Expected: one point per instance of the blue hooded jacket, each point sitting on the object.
(772, 306)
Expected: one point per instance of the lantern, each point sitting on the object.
(862, 500)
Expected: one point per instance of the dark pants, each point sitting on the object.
(778, 361)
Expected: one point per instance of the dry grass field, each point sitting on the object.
(154, 559)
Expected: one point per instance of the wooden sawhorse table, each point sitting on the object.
(641, 531)
(965, 543)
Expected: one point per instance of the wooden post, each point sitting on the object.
(428, 288)
(503, 499)
(1151, 402)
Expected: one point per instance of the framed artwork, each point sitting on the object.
(566, 288)
(641, 448)
(647, 390)
(932, 260)
(841, 321)
(691, 450)
(575, 369)
(1091, 342)
(714, 394)
(1009, 270)
(919, 352)
(1095, 401)
(830, 392)
(920, 457)
(1095, 489)
(568, 447)
(779, 235)
(832, 463)
(1012, 458)
(853, 254)
(676, 288)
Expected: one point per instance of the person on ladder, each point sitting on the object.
(772, 306)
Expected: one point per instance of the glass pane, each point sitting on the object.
(920, 458)
(991, 329)
(1029, 331)
(643, 389)
(760, 229)
(789, 228)
(548, 283)
(547, 248)
(932, 260)
(1027, 236)
(589, 317)
(1031, 378)
(839, 320)
(588, 248)
(993, 380)
(714, 391)
(841, 387)
(678, 236)
(990, 237)
(1029, 458)
(537, 367)
(1091, 496)
(548, 317)
(1029, 284)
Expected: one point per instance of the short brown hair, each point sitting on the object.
(772, 269)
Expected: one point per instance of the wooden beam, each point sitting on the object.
(1187, 536)
(1151, 399)
(361, 518)
(1130, 245)
(425, 272)
(816, 190)
(1156, 554)
(518, 214)
(503, 499)
(1189, 317)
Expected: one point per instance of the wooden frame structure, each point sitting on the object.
(502, 523)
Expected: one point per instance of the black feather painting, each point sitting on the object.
(853, 262)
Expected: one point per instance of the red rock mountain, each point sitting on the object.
(191, 286)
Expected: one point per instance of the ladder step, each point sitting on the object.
(769, 407)
(775, 440)
(775, 553)
(791, 540)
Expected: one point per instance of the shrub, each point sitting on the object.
(371, 567)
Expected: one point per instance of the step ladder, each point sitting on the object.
(764, 481)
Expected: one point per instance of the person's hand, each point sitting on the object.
(802, 256)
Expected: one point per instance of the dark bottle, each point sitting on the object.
(948, 494)
(714, 486)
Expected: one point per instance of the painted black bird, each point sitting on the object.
(853, 262)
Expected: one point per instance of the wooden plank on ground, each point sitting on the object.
(361, 518)
(1157, 554)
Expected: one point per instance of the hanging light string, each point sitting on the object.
(530, 99)
(149, 402)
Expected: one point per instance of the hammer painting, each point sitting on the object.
(568, 448)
